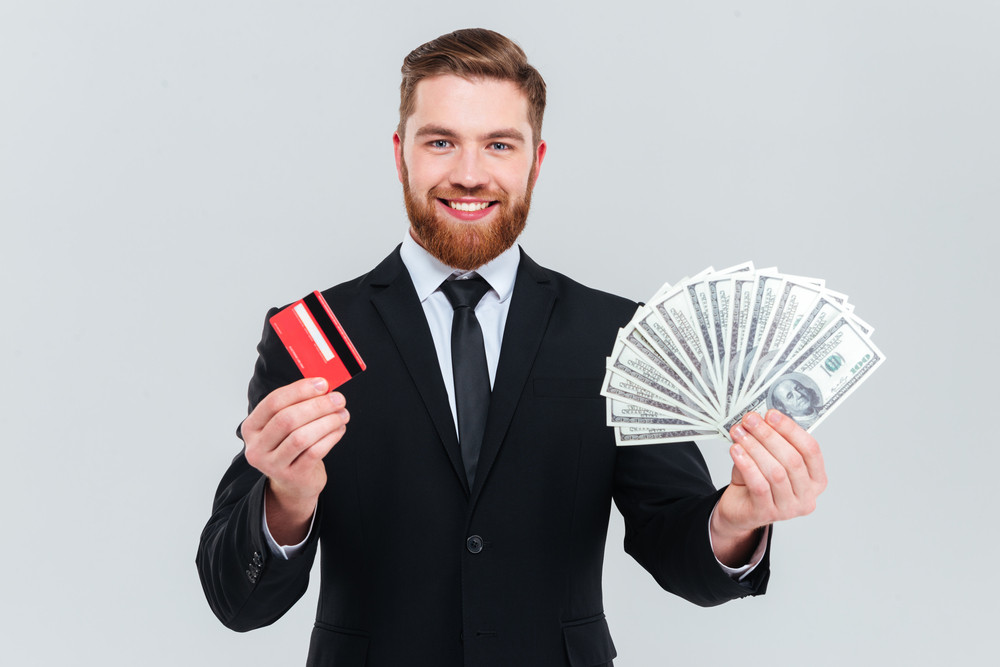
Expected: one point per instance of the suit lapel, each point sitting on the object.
(400, 309)
(527, 320)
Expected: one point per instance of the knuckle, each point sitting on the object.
(297, 440)
(777, 475)
(284, 421)
(759, 488)
(811, 449)
(332, 422)
(254, 457)
(309, 456)
(269, 403)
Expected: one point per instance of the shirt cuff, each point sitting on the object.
(287, 551)
(740, 573)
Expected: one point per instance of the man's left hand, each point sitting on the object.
(778, 473)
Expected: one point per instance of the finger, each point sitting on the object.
(319, 450)
(757, 486)
(774, 471)
(803, 442)
(283, 397)
(737, 477)
(783, 451)
(307, 437)
(296, 415)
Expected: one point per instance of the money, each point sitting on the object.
(707, 350)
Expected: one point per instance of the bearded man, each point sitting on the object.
(463, 510)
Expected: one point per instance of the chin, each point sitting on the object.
(462, 244)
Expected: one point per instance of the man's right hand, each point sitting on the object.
(287, 435)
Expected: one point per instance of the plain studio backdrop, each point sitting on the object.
(169, 170)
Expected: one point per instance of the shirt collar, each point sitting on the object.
(427, 272)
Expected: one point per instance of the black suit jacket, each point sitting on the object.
(419, 569)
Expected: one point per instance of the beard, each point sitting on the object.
(466, 245)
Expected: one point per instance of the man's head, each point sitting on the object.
(468, 148)
(473, 54)
(793, 398)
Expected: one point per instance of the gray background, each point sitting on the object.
(169, 170)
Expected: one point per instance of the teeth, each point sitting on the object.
(468, 206)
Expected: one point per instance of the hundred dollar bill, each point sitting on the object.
(766, 290)
(621, 413)
(621, 389)
(663, 290)
(720, 298)
(742, 302)
(823, 311)
(794, 304)
(713, 347)
(625, 360)
(862, 326)
(648, 436)
(674, 314)
(649, 336)
(818, 379)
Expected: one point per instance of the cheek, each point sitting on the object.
(424, 175)
(514, 181)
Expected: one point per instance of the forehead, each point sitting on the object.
(468, 107)
(787, 385)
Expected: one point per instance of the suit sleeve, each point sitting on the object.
(666, 497)
(246, 586)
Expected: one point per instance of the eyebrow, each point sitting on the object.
(440, 131)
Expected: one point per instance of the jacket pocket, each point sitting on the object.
(567, 387)
(588, 642)
(330, 645)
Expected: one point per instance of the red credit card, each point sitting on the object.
(316, 341)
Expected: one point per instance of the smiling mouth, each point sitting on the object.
(467, 206)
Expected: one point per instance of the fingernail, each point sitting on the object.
(738, 433)
(774, 417)
(337, 399)
(752, 419)
(738, 451)
(320, 384)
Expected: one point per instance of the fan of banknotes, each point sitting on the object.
(708, 350)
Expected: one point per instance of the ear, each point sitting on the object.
(539, 156)
(397, 147)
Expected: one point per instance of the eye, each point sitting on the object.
(440, 143)
(500, 146)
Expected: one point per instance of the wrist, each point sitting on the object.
(732, 544)
(287, 515)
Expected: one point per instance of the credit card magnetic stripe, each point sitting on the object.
(332, 334)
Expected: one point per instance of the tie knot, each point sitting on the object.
(465, 293)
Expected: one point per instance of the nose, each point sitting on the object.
(469, 170)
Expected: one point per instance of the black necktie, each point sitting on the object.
(468, 361)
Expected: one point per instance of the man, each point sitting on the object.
(446, 543)
(792, 396)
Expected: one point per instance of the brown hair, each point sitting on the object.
(473, 53)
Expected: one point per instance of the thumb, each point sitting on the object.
(737, 477)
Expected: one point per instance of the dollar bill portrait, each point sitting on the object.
(798, 397)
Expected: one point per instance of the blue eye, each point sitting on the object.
(499, 146)
(439, 143)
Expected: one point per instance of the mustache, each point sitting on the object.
(457, 192)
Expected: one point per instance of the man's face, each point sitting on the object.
(467, 165)
(793, 397)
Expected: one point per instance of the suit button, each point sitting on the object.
(474, 544)
(254, 568)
